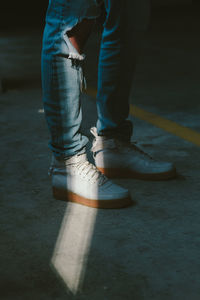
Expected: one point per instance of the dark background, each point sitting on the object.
(23, 13)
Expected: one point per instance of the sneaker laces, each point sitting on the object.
(101, 142)
(132, 146)
(89, 171)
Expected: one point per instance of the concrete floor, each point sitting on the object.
(51, 250)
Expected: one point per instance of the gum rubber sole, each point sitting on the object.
(124, 173)
(65, 195)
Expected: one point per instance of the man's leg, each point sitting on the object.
(62, 79)
(114, 155)
(115, 71)
(73, 177)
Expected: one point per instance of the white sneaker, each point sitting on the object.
(123, 159)
(77, 180)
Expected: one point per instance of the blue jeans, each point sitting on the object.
(62, 74)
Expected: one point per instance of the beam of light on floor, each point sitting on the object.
(183, 132)
(70, 255)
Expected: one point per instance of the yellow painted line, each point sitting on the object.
(169, 126)
(165, 124)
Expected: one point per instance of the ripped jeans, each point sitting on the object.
(62, 75)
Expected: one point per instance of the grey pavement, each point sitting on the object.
(54, 250)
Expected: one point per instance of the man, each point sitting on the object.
(68, 24)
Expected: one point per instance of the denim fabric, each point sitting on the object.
(115, 70)
(62, 75)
